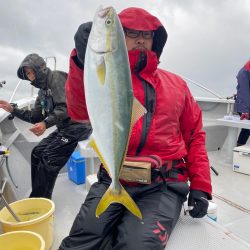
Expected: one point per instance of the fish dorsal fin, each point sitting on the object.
(92, 143)
(138, 111)
(101, 70)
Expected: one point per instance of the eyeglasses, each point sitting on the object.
(136, 33)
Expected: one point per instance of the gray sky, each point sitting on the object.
(208, 41)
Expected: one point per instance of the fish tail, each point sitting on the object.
(122, 198)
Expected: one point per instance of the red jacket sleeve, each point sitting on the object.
(75, 95)
(194, 137)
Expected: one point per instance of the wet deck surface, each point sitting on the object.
(231, 194)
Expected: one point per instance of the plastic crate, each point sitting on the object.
(76, 168)
(241, 159)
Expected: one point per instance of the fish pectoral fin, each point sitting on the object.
(101, 71)
(92, 143)
(123, 198)
(138, 111)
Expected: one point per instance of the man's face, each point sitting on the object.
(30, 74)
(135, 39)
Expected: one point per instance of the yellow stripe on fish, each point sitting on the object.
(101, 72)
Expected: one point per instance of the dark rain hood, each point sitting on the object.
(140, 19)
(81, 39)
(38, 64)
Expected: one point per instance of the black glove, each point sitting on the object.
(81, 39)
(198, 200)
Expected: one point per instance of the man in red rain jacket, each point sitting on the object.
(169, 135)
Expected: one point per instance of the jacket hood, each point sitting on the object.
(247, 66)
(140, 19)
(81, 39)
(37, 63)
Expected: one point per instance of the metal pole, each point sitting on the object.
(201, 86)
(14, 92)
(6, 203)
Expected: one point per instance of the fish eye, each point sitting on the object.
(108, 21)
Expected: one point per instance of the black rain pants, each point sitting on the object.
(117, 228)
(51, 154)
(243, 136)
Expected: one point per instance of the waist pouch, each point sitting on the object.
(138, 169)
(145, 169)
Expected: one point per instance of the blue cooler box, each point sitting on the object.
(76, 168)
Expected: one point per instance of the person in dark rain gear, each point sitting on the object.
(52, 152)
(242, 102)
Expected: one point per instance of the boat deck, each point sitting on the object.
(231, 193)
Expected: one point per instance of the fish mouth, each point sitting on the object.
(104, 12)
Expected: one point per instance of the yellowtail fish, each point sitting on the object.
(111, 105)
